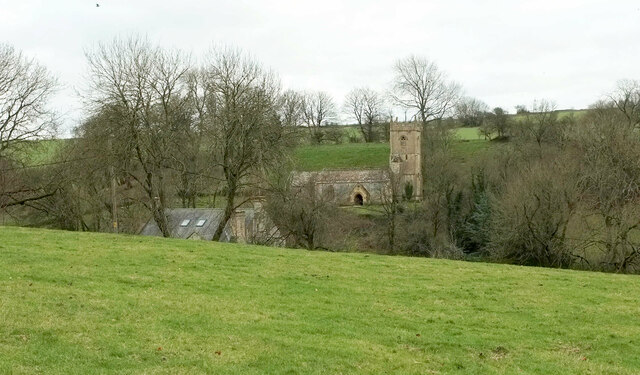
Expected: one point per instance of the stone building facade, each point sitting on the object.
(405, 159)
(371, 186)
(347, 187)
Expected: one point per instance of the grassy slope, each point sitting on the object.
(344, 156)
(468, 134)
(372, 155)
(376, 155)
(40, 152)
(98, 303)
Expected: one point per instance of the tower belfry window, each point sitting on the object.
(403, 141)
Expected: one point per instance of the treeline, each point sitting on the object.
(161, 131)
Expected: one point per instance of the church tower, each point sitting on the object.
(405, 159)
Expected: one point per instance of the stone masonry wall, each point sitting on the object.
(341, 186)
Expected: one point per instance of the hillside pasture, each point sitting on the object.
(342, 156)
(375, 155)
(468, 134)
(33, 153)
(97, 303)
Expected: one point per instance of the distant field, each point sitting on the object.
(312, 157)
(329, 156)
(39, 152)
(467, 152)
(469, 145)
(309, 157)
(562, 113)
(83, 303)
(468, 134)
(374, 155)
(344, 156)
(568, 112)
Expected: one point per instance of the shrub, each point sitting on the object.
(531, 219)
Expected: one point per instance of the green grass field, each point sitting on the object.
(468, 134)
(469, 145)
(343, 156)
(313, 157)
(80, 303)
(374, 155)
(40, 152)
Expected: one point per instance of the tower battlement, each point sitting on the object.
(405, 126)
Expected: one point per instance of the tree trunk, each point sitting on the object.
(228, 210)
(161, 220)
(370, 132)
(157, 205)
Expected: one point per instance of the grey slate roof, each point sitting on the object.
(176, 216)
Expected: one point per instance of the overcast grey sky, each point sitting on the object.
(502, 52)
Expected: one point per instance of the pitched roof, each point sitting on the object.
(183, 224)
(341, 176)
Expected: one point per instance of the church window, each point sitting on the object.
(403, 141)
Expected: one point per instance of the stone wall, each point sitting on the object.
(343, 186)
(405, 159)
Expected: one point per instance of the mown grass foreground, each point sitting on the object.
(97, 303)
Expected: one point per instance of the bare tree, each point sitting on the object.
(367, 108)
(521, 108)
(20, 186)
(25, 88)
(471, 112)
(532, 219)
(190, 157)
(88, 184)
(318, 109)
(626, 98)
(541, 123)
(243, 123)
(354, 105)
(608, 154)
(419, 85)
(291, 108)
(302, 214)
(392, 209)
(143, 88)
(496, 123)
(441, 199)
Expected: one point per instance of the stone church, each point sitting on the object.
(371, 186)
